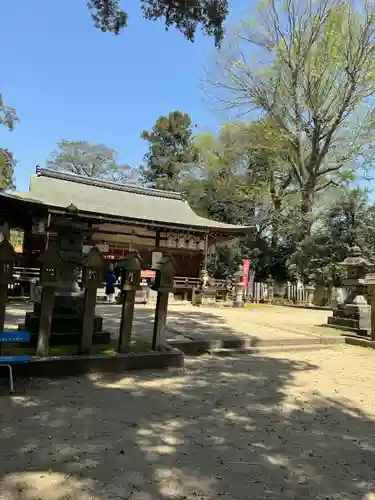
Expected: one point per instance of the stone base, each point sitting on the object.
(71, 338)
(64, 304)
(342, 321)
(61, 323)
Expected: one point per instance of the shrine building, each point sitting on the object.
(119, 218)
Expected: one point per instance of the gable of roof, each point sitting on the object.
(94, 196)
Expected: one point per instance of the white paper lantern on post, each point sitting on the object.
(192, 244)
(170, 241)
(212, 249)
(201, 245)
(181, 242)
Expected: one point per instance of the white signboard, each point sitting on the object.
(156, 257)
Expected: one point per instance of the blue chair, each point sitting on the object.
(9, 361)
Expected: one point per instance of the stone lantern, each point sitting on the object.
(131, 266)
(310, 291)
(164, 278)
(92, 278)
(238, 287)
(52, 267)
(356, 267)
(50, 278)
(93, 271)
(164, 284)
(7, 259)
(354, 313)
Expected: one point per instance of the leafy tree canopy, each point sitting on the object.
(89, 160)
(7, 164)
(170, 151)
(308, 66)
(185, 15)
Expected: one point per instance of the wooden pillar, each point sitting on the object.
(159, 338)
(205, 263)
(48, 298)
(89, 304)
(127, 315)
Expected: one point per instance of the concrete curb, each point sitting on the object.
(199, 346)
(64, 366)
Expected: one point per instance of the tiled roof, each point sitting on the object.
(93, 196)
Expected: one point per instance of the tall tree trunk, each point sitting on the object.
(275, 223)
(275, 220)
(306, 206)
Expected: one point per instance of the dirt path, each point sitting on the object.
(282, 426)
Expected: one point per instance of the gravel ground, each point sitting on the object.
(290, 425)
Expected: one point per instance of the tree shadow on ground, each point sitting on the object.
(219, 428)
(181, 324)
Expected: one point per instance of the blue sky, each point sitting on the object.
(69, 80)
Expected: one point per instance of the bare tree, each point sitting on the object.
(308, 67)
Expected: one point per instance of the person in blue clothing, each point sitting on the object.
(110, 284)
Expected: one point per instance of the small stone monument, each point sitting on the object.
(270, 289)
(238, 287)
(310, 292)
(354, 313)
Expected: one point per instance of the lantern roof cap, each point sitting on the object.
(131, 262)
(355, 259)
(94, 258)
(167, 264)
(52, 256)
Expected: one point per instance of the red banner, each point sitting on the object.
(246, 270)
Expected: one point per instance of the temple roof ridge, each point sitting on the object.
(90, 181)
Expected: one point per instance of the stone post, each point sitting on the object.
(270, 289)
(51, 275)
(93, 275)
(238, 287)
(164, 285)
(45, 322)
(131, 267)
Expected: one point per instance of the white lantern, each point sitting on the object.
(201, 245)
(181, 242)
(212, 249)
(170, 241)
(192, 244)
